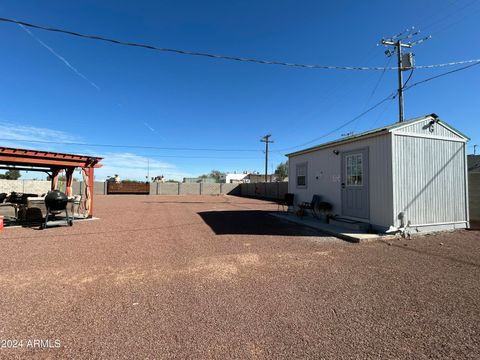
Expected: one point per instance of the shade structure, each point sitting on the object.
(53, 163)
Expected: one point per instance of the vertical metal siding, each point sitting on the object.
(422, 128)
(429, 181)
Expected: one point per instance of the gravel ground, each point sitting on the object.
(217, 277)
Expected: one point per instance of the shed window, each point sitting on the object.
(354, 169)
(302, 175)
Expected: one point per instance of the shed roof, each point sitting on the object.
(376, 132)
(26, 157)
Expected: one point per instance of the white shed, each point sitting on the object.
(410, 173)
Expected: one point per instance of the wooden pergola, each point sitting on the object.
(53, 163)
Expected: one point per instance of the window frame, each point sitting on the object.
(302, 165)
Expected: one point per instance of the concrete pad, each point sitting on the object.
(337, 231)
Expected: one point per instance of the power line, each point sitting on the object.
(390, 97)
(224, 57)
(130, 146)
(440, 75)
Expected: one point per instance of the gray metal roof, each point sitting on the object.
(374, 132)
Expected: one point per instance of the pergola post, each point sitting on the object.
(89, 187)
(54, 180)
(68, 185)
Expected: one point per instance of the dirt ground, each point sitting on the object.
(217, 277)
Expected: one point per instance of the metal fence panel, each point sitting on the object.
(474, 195)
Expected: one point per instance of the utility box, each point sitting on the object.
(408, 61)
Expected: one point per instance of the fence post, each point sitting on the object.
(179, 188)
(201, 188)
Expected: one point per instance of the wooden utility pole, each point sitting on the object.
(266, 140)
(396, 42)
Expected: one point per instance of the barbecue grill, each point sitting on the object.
(56, 202)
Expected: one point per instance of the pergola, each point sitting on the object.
(53, 163)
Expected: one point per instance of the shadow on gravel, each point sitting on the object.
(253, 222)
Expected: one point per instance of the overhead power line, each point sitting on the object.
(390, 97)
(440, 75)
(130, 146)
(224, 57)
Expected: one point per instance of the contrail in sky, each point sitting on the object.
(149, 127)
(67, 64)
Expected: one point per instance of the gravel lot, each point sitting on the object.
(217, 277)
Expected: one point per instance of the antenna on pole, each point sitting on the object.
(405, 61)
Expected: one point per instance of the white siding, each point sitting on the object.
(324, 177)
(429, 180)
(423, 128)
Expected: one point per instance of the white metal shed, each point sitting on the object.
(410, 173)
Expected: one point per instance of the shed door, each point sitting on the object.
(355, 198)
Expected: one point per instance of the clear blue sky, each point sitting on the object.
(124, 95)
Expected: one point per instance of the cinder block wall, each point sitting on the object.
(271, 191)
(38, 187)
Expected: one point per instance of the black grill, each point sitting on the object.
(56, 202)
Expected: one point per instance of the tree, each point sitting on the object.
(282, 171)
(11, 175)
(216, 174)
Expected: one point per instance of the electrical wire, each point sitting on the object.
(440, 75)
(390, 97)
(408, 79)
(224, 57)
(130, 146)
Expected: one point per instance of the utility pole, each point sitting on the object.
(398, 48)
(404, 61)
(266, 140)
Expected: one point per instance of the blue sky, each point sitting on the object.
(121, 95)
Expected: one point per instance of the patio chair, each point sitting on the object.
(287, 201)
(312, 206)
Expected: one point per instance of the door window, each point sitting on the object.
(354, 169)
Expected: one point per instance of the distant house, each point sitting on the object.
(411, 174)
(234, 178)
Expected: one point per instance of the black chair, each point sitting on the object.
(287, 201)
(312, 206)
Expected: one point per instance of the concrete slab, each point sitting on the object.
(340, 232)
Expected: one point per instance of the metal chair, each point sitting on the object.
(312, 206)
(287, 201)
